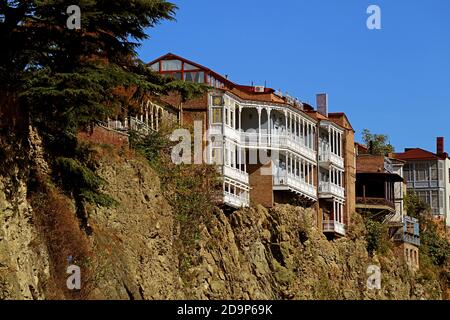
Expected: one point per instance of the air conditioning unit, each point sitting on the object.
(259, 89)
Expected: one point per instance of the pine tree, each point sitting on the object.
(60, 80)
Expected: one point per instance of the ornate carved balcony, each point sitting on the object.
(296, 184)
(326, 158)
(235, 174)
(236, 201)
(331, 226)
(375, 203)
(329, 190)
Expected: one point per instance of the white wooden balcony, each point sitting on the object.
(235, 174)
(232, 134)
(277, 141)
(326, 158)
(329, 190)
(331, 226)
(297, 144)
(236, 201)
(294, 183)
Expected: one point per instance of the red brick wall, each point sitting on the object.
(261, 185)
(199, 103)
(370, 163)
(103, 135)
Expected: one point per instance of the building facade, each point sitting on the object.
(428, 176)
(270, 147)
(380, 191)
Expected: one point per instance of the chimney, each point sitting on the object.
(322, 103)
(440, 145)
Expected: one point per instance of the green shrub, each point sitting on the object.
(377, 237)
(77, 179)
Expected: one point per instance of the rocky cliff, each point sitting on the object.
(133, 250)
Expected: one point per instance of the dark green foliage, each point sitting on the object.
(415, 207)
(377, 143)
(433, 242)
(376, 236)
(37, 36)
(80, 181)
(150, 146)
(434, 248)
(66, 79)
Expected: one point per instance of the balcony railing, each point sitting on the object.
(328, 157)
(279, 141)
(295, 183)
(425, 184)
(408, 238)
(330, 189)
(232, 133)
(375, 202)
(334, 226)
(235, 174)
(129, 124)
(236, 201)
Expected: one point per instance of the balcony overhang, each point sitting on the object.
(384, 176)
(375, 204)
(334, 227)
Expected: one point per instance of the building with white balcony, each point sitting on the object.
(428, 176)
(255, 132)
(269, 147)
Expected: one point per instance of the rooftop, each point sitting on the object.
(418, 154)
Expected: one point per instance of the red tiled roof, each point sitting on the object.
(248, 92)
(170, 56)
(417, 154)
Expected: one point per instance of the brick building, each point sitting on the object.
(380, 192)
(270, 147)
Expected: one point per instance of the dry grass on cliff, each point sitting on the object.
(59, 229)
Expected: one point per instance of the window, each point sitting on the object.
(422, 171)
(227, 116)
(170, 65)
(231, 117)
(408, 172)
(155, 66)
(434, 199)
(434, 172)
(216, 115)
(441, 171)
(424, 196)
(188, 67)
(217, 101)
(197, 77)
(233, 156)
(175, 75)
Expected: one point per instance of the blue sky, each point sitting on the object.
(394, 81)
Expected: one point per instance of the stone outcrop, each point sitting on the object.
(249, 254)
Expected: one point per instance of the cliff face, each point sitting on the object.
(250, 254)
